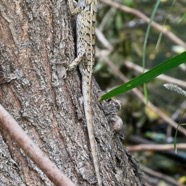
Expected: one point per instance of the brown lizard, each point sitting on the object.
(85, 33)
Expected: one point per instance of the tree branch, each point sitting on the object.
(33, 151)
(155, 147)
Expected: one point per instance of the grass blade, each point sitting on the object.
(147, 76)
(145, 44)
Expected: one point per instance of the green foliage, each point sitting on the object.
(145, 42)
(129, 3)
(147, 76)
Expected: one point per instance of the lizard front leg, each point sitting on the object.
(73, 10)
(76, 61)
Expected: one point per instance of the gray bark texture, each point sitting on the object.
(36, 42)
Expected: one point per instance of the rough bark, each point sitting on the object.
(36, 42)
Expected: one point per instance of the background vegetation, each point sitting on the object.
(120, 40)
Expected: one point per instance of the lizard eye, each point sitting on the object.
(82, 5)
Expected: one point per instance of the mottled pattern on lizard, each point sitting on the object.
(85, 33)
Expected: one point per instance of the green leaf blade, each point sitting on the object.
(147, 76)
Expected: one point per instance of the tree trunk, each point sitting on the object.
(36, 43)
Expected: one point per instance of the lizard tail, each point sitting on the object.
(88, 115)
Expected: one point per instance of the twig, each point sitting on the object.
(155, 25)
(33, 151)
(100, 36)
(160, 176)
(105, 19)
(155, 147)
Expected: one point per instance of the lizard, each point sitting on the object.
(85, 33)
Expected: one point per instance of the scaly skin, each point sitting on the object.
(85, 32)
